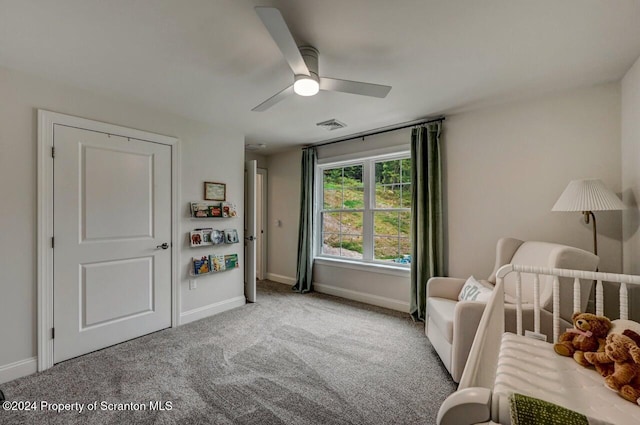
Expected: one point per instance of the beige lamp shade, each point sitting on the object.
(587, 195)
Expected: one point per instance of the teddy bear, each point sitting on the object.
(587, 335)
(623, 352)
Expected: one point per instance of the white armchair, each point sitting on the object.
(451, 325)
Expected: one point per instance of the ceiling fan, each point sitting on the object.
(304, 64)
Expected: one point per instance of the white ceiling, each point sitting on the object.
(213, 60)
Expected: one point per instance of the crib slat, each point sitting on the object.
(556, 309)
(536, 303)
(576, 295)
(599, 298)
(624, 302)
(518, 303)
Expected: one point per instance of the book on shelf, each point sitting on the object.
(230, 236)
(217, 263)
(229, 209)
(217, 237)
(206, 235)
(215, 210)
(199, 209)
(201, 265)
(204, 209)
(199, 237)
(231, 261)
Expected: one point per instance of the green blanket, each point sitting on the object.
(527, 410)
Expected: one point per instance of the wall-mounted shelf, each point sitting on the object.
(201, 210)
(211, 264)
(210, 237)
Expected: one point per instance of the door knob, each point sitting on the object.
(163, 246)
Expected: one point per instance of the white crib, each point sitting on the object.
(500, 363)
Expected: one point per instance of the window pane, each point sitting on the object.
(388, 175)
(406, 170)
(348, 246)
(392, 236)
(353, 176)
(331, 243)
(332, 178)
(397, 250)
(385, 248)
(331, 223)
(351, 223)
(332, 189)
(405, 250)
(332, 199)
(386, 223)
(351, 246)
(353, 197)
(406, 195)
(388, 171)
(388, 195)
(405, 224)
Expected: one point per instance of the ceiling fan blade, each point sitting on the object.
(354, 87)
(274, 99)
(277, 27)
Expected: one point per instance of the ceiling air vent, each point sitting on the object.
(254, 146)
(332, 124)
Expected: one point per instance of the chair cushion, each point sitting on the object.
(441, 311)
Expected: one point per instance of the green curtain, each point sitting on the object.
(304, 272)
(427, 239)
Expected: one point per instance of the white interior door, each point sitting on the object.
(251, 168)
(112, 230)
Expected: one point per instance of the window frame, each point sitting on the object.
(369, 187)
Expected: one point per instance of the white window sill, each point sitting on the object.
(393, 270)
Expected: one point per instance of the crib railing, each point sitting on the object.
(472, 402)
(577, 275)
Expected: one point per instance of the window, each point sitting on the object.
(364, 209)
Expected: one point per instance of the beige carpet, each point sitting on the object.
(287, 359)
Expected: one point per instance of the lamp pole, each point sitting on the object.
(595, 234)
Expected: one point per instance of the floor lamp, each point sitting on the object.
(587, 196)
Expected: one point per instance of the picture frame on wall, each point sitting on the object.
(215, 191)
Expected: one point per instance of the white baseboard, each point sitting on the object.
(18, 369)
(211, 309)
(363, 297)
(281, 279)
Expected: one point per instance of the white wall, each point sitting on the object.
(507, 165)
(631, 176)
(21, 96)
(505, 168)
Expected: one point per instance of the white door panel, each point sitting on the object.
(112, 209)
(106, 172)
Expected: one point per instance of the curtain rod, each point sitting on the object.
(376, 131)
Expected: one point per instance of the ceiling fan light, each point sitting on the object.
(305, 85)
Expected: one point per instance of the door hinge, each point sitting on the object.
(53, 152)
(53, 243)
(53, 333)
